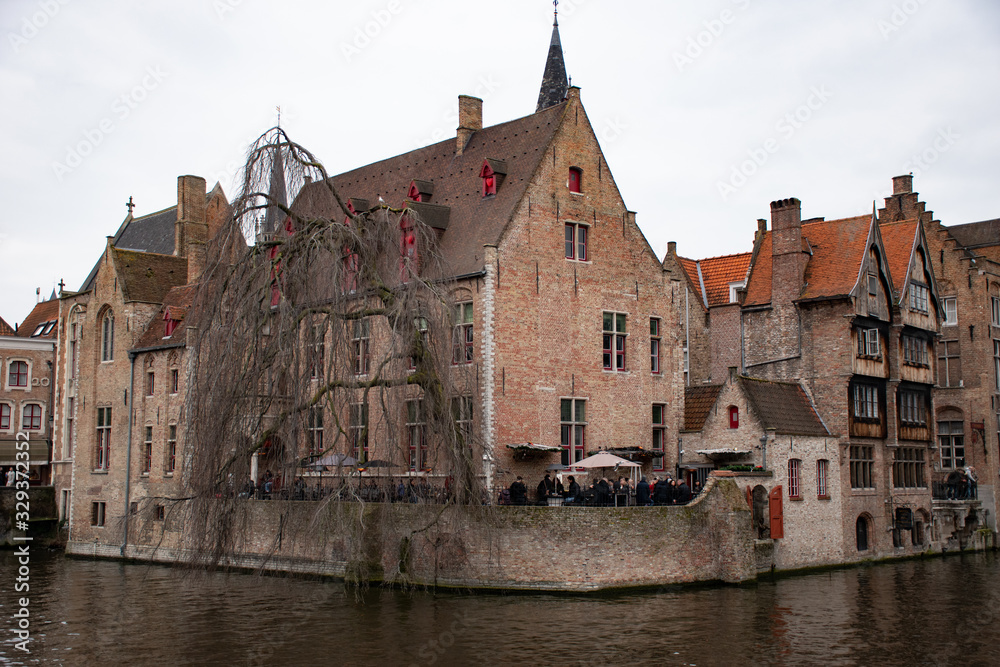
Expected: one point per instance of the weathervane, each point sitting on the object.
(129, 205)
(555, 13)
(279, 116)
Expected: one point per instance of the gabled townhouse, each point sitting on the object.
(773, 441)
(26, 389)
(568, 323)
(966, 260)
(104, 409)
(851, 309)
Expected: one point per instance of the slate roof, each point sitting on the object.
(783, 406)
(474, 220)
(716, 273)
(976, 234)
(147, 277)
(838, 248)
(5, 329)
(698, 403)
(46, 311)
(150, 233)
(554, 81)
(177, 301)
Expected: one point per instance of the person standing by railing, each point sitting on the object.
(971, 483)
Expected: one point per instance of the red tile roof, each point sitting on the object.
(42, 313)
(719, 272)
(5, 329)
(690, 267)
(899, 239)
(838, 248)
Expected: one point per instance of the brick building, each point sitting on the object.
(794, 488)
(106, 353)
(26, 389)
(569, 322)
(710, 319)
(966, 259)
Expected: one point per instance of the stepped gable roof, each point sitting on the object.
(146, 276)
(475, 220)
(783, 406)
(899, 240)
(46, 312)
(5, 329)
(837, 250)
(976, 234)
(698, 403)
(178, 302)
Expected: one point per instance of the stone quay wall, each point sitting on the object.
(570, 549)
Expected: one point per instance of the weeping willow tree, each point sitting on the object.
(327, 340)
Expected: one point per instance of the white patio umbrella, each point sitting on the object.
(604, 460)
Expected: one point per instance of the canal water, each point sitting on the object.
(936, 611)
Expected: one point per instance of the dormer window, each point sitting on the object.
(420, 191)
(492, 172)
(575, 181)
(170, 322)
(734, 289)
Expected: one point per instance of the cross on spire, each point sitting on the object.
(129, 205)
(279, 115)
(555, 13)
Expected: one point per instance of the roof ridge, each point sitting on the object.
(734, 254)
(149, 215)
(450, 140)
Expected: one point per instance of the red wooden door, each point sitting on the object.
(777, 513)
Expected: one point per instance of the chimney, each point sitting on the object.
(191, 229)
(671, 247)
(904, 203)
(788, 260)
(470, 120)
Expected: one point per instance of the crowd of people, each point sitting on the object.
(602, 492)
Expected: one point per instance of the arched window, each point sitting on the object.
(18, 375)
(575, 181)
(31, 417)
(861, 530)
(734, 417)
(108, 337)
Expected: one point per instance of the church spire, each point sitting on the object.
(554, 82)
(273, 215)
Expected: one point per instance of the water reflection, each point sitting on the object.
(937, 611)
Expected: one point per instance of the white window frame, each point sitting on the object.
(950, 305)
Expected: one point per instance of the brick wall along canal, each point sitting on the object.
(935, 611)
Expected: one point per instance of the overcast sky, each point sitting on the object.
(706, 110)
